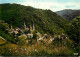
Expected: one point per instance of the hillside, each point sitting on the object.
(45, 21)
(27, 31)
(69, 14)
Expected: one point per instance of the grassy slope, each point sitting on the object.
(10, 49)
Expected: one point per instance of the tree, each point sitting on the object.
(22, 40)
(74, 29)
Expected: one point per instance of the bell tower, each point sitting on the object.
(11, 27)
(24, 26)
(33, 27)
(30, 28)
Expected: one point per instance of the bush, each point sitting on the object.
(22, 40)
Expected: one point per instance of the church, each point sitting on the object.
(21, 31)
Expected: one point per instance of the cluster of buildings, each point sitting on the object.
(30, 34)
(21, 31)
(30, 30)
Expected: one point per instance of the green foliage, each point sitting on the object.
(12, 50)
(35, 36)
(3, 26)
(45, 21)
(22, 40)
(7, 37)
(74, 29)
(2, 34)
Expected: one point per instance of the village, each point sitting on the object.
(28, 34)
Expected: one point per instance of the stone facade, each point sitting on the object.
(29, 35)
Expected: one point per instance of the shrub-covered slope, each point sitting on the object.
(45, 21)
(69, 14)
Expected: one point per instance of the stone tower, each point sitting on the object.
(30, 28)
(25, 26)
(33, 27)
(11, 27)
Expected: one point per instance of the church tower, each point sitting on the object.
(11, 27)
(24, 26)
(30, 28)
(33, 27)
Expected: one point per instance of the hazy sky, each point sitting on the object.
(54, 5)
